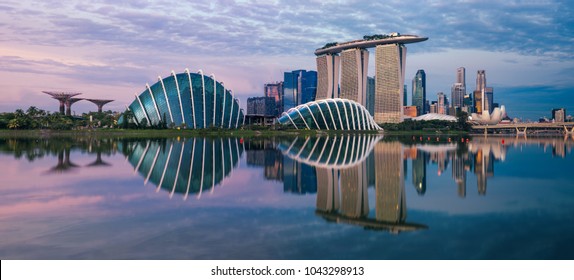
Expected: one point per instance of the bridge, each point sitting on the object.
(566, 128)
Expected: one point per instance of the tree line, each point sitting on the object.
(35, 118)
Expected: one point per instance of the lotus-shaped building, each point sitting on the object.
(485, 118)
(193, 99)
(329, 114)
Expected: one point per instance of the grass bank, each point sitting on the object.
(169, 133)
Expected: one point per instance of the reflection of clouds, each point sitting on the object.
(54, 206)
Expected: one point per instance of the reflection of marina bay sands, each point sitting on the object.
(188, 166)
(343, 166)
(339, 169)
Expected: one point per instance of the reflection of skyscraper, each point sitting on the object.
(298, 177)
(420, 172)
(390, 194)
(273, 165)
(459, 173)
(483, 168)
(354, 196)
(328, 189)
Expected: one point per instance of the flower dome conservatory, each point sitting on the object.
(187, 99)
(330, 114)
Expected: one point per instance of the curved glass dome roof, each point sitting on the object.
(330, 114)
(193, 99)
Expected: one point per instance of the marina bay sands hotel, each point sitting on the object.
(350, 61)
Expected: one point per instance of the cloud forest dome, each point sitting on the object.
(193, 99)
(329, 114)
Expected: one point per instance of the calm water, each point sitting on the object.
(287, 198)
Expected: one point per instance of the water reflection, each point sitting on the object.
(61, 149)
(189, 166)
(345, 168)
(357, 180)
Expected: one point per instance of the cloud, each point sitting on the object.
(248, 43)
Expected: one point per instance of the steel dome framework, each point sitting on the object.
(330, 114)
(193, 99)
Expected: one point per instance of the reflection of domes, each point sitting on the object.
(189, 166)
(190, 98)
(486, 118)
(331, 152)
(330, 114)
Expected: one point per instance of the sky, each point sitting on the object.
(110, 49)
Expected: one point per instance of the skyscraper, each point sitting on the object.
(328, 76)
(370, 95)
(390, 72)
(477, 99)
(489, 99)
(419, 91)
(480, 80)
(298, 86)
(483, 96)
(461, 76)
(390, 60)
(457, 93)
(308, 86)
(442, 103)
(355, 65)
(405, 95)
(275, 90)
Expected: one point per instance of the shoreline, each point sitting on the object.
(169, 133)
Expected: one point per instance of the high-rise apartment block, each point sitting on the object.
(419, 91)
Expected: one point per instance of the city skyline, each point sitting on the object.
(110, 49)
